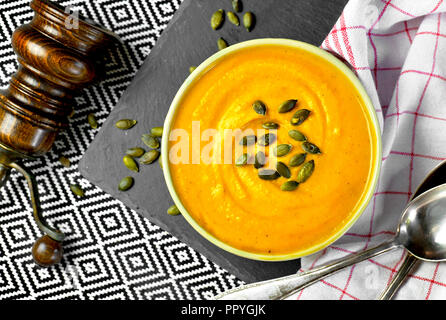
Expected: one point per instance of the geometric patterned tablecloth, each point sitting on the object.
(110, 251)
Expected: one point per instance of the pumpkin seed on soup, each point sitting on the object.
(248, 140)
(130, 163)
(270, 125)
(283, 170)
(282, 150)
(248, 21)
(135, 152)
(297, 159)
(150, 141)
(259, 160)
(267, 139)
(232, 17)
(222, 44)
(289, 185)
(305, 172)
(311, 148)
(125, 124)
(92, 121)
(149, 157)
(242, 160)
(173, 211)
(297, 135)
(268, 174)
(259, 107)
(287, 106)
(300, 116)
(237, 5)
(217, 19)
(125, 184)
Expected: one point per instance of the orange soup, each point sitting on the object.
(230, 201)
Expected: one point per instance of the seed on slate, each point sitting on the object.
(157, 131)
(242, 160)
(77, 190)
(149, 157)
(270, 125)
(217, 19)
(135, 152)
(282, 150)
(222, 44)
(267, 139)
(297, 159)
(248, 140)
(125, 124)
(289, 185)
(92, 121)
(268, 174)
(287, 106)
(125, 184)
(300, 116)
(259, 160)
(150, 141)
(232, 17)
(283, 170)
(237, 5)
(160, 161)
(65, 161)
(248, 21)
(173, 211)
(305, 172)
(130, 163)
(259, 107)
(297, 135)
(311, 148)
(192, 69)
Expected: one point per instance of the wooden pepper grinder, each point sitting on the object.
(57, 58)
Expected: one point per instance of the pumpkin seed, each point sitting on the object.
(149, 157)
(268, 174)
(125, 124)
(192, 69)
(259, 107)
(173, 211)
(270, 125)
(125, 184)
(242, 160)
(287, 106)
(305, 172)
(232, 17)
(92, 121)
(65, 161)
(289, 185)
(130, 163)
(135, 152)
(259, 160)
(300, 116)
(297, 135)
(297, 159)
(160, 161)
(237, 5)
(283, 170)
(77, 190)
(311, 148)
(282, 150)
(157, 131)
(150, 141)
(267, 139)
(217, 19)
(248, 21)
(222, 44)
(248, 140)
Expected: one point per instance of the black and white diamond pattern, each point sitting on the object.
(110, 251)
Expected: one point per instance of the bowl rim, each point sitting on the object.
(330, 58)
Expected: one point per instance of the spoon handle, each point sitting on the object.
(408, 263)
(282, 288)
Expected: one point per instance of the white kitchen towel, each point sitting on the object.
(398, 49)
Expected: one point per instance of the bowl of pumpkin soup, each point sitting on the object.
(271, 149)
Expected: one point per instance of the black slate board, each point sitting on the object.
(189, 40)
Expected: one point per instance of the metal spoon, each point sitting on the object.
(436, 176)
(422, 231)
